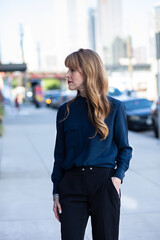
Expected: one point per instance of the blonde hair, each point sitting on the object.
(90, 65)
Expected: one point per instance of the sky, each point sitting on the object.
(136, 17)
(38, 16)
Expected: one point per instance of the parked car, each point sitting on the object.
(155, 117)
(49, 95)
(114, 92)
(62, 97)
(139, 115)
(48, 99)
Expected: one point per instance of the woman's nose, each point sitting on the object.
(68, 74)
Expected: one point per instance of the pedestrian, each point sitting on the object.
(17, 102)
(91, 153)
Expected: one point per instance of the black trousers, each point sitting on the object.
(89, 191)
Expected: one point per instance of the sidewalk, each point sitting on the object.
(26, 189)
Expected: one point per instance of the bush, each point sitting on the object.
(1, 112)
(50, 84)
(14, 83)
(1, 129)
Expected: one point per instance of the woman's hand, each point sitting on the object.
(57, 208)
(117, 182)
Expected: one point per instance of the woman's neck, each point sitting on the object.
(83, 94)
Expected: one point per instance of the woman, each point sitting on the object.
(91, 153)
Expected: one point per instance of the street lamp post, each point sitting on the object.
(21, 40)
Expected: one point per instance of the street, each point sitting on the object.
(26, 161)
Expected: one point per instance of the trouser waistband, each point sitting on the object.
(89, 169)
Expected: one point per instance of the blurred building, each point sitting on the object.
(140, 54)
(109, 27)
(70, 29)
(30, 55)
(92, 28)
(119, 50)
(157, 17)
(67, 33)
(151, 54)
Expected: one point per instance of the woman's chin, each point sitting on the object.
(71, 87)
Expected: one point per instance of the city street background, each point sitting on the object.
(35, 38)
(26, 162)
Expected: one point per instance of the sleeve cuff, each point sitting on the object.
(55, 188)
(119, 173)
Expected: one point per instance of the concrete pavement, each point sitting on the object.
(25, 186)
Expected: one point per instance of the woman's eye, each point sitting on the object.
(72, 70)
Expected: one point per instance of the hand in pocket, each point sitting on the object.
(116, 182)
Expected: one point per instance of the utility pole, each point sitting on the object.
(22, 52)
(21, 40)
(130, 66)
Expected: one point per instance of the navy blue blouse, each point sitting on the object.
(74, 148)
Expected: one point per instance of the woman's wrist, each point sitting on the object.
(55, 196)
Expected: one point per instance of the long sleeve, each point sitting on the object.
(59, 152)
(121, 138)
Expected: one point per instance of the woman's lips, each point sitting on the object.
(69, 82)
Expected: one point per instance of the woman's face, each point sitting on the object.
(75, 80)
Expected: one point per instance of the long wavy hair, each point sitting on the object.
(89, 63)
